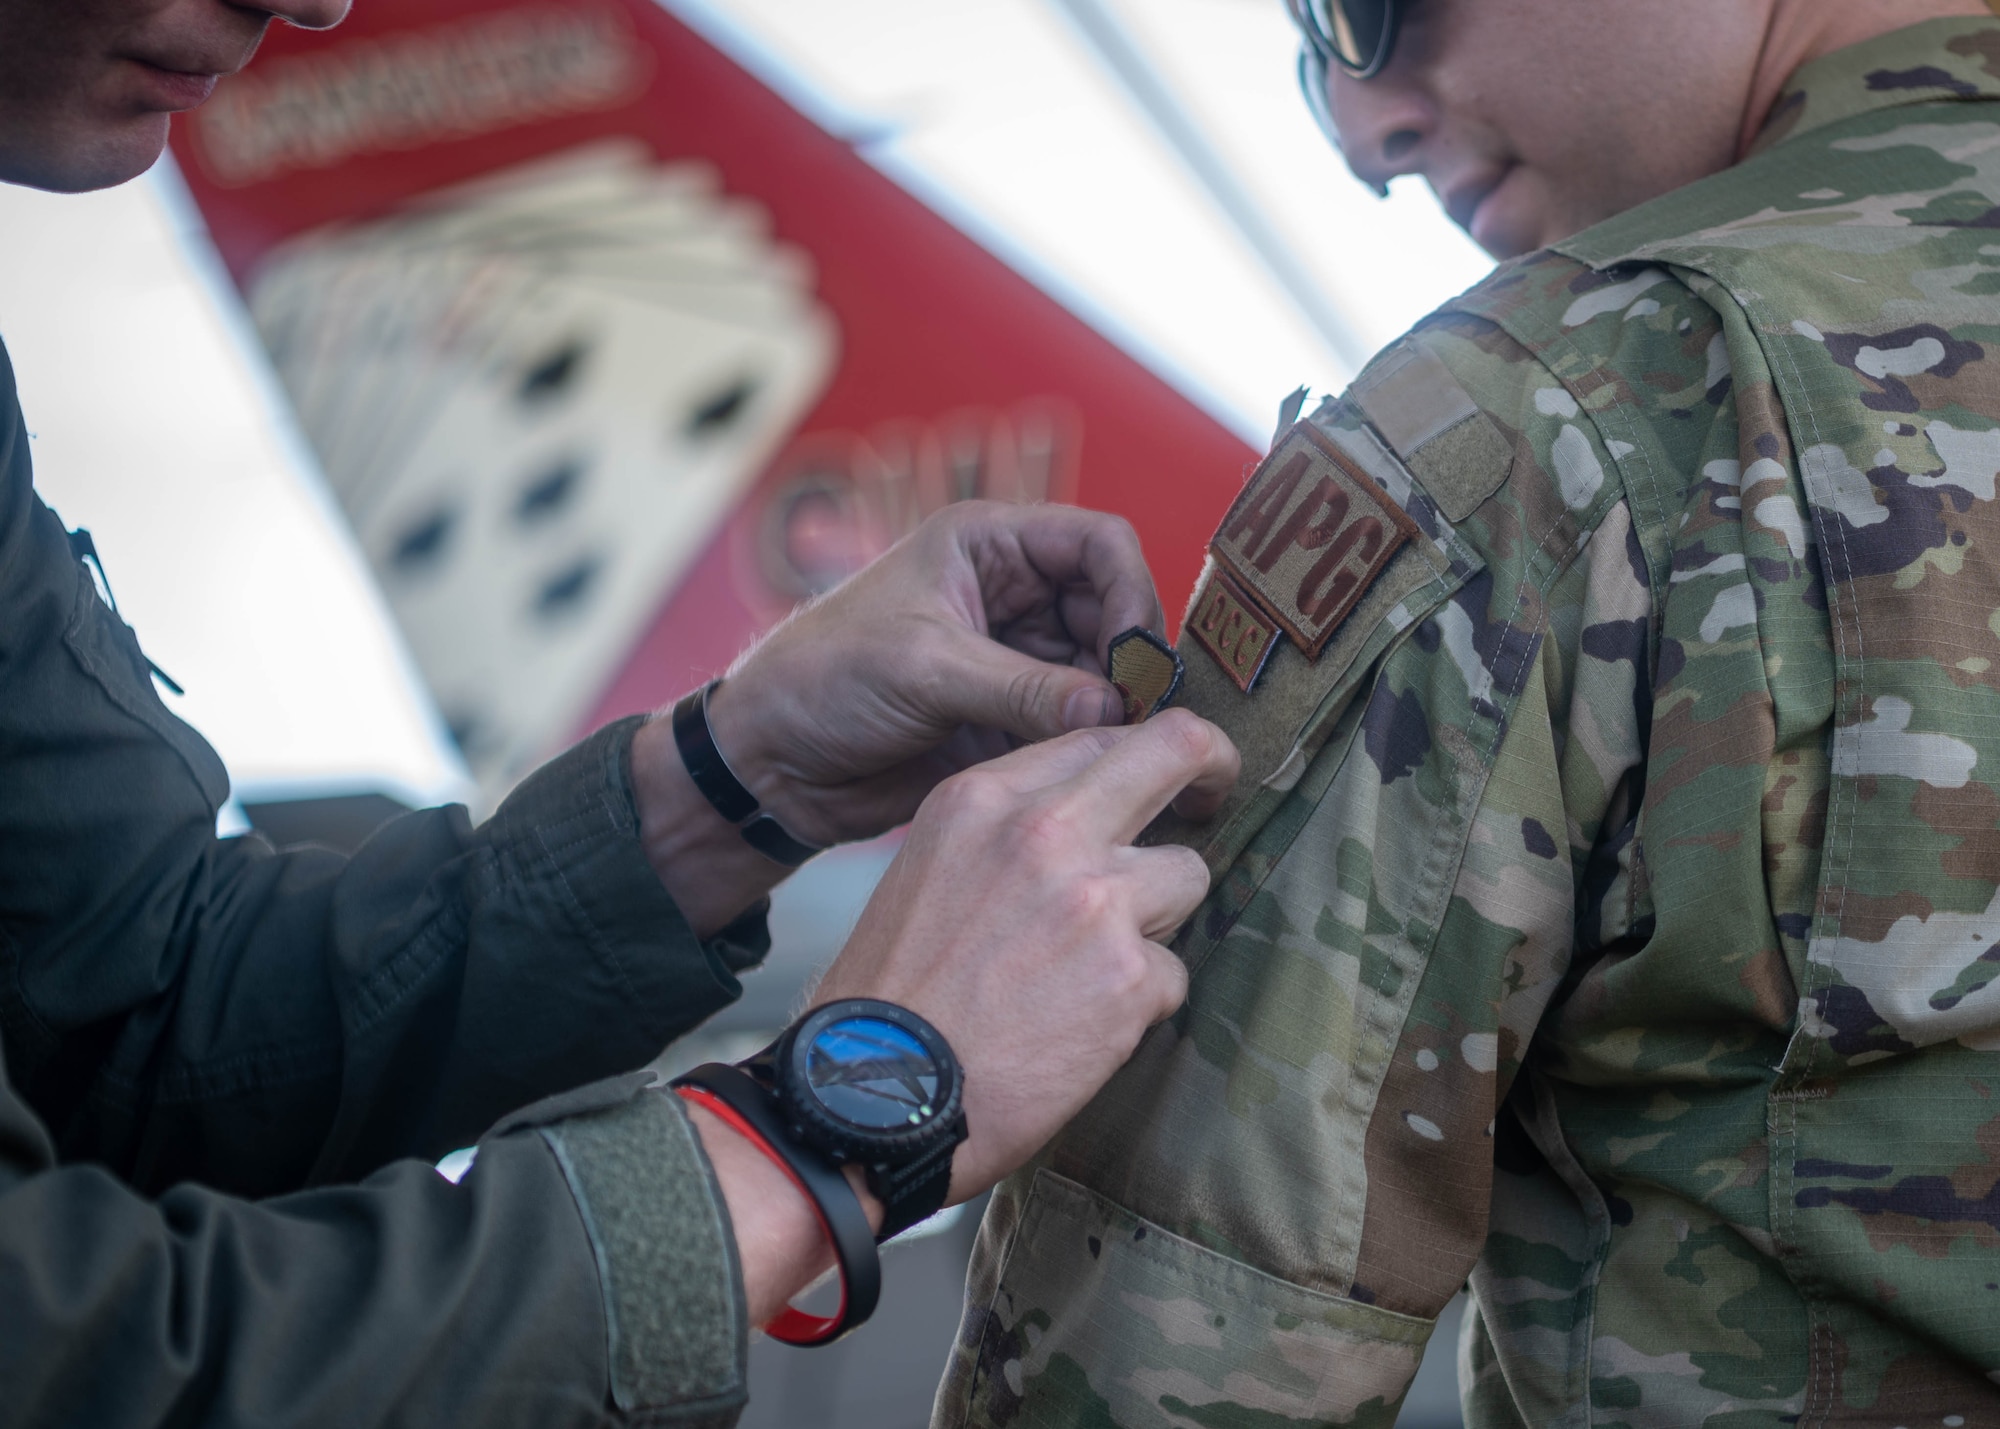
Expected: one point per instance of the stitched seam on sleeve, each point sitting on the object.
(600, 942)
(254, 1069)
(376, 996)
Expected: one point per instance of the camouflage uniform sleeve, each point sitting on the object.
(1260, 1219)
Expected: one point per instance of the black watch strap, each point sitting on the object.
(914, 1192)
(705, 765)
(727, 794)
(839, 1208)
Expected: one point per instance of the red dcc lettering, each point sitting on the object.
(1232, 632)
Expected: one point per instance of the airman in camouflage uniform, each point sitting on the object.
(1610, 910)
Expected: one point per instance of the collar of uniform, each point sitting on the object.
(1938, 59)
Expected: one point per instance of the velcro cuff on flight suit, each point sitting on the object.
(665, 1248)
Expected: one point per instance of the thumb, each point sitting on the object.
(987, 683)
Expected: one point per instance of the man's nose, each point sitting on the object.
(307, 14)
(1383, 124)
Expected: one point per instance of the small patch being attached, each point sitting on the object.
(1307, 537)
(1228, 625)
(1147, 672)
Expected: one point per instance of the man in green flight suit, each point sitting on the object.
(225, 1068)
(1608, 912)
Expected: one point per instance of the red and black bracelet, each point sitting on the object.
(747, 1107)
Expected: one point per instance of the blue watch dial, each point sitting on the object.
(872, 1074)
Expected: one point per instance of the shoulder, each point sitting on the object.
(1527, 409)
(1444, 510)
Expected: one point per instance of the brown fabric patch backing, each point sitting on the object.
(1228, 625)
(1146, 671)
(1308, 535)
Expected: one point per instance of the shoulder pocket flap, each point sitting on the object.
(1452, 447)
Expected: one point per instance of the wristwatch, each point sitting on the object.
(871, 1084)
(854, 1083)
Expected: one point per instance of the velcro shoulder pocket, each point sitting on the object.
(1285, 716)
(1423, 414)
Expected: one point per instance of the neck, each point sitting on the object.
(1801, 31)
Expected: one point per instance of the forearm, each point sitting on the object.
(313, 1016)
(403, 1300)
(709, 871)
(576, 964)
(180, 1006)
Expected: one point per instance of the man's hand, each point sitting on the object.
(987, 625)
(1020, 922)
(988, 621)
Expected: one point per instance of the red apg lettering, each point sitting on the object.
(1268, 504)
(1328, 502)
(1328, 584)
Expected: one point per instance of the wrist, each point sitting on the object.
(782, 1237)
(780, 1247)
(707, 868)
(741, 721)
(769, 1178)
(873, 1088)
(870, 1206)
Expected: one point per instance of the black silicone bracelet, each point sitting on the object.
(727, 794)
(705, 765)
(853, 1240)
(768, 837)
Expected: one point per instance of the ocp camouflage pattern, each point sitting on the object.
(1611, 916)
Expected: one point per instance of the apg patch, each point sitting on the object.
(1307, 537)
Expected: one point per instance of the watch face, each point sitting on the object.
(872, 1074)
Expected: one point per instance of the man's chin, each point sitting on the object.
(1509, 222)
(88, 156)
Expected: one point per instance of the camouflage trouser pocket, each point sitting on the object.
(1103, 1319)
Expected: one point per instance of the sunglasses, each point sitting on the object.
(1357, 35)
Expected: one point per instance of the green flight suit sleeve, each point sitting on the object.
(190, 1023)
(178, 1007)
(582, 1274)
